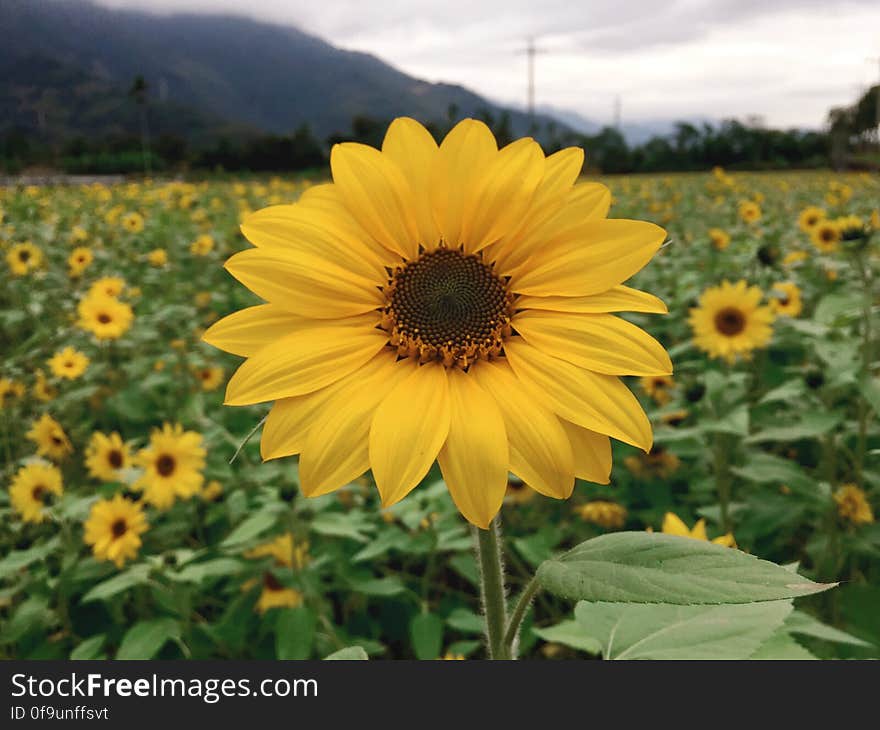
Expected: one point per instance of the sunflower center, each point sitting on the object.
(271, 582)
(104, 318)
(119, 528)
(24, 255)
(165, 465)
(114, 458)
(57, 440)
(827, 234)
(447, 306)
(38, 492)
(730, 321)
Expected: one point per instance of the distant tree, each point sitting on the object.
(138, 92)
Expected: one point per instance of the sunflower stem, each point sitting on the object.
(519, 612)
(722, 480)
(867, 358)
(488, 546)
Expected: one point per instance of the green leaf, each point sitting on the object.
(90, 648)
(250, 528)
(146, 638)
(18, 559)
(385, 587)
(627, 631)
(389, 539)
(735, 422)
(426, 633)
(789, 391)
(465, 621)
(802, 623)
(569, 633)
(781, 646)
(338, 524)
(831, 307)
(642, 567)
(197, 572)
(349, 653)
(136, 575)
(294, 633)
(870, 390)
(769, 469)
(811, 425)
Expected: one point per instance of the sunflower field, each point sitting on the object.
(141, 519)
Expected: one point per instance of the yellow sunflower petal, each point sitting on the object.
(673, 525)
(303, 362)
(591, 452)
(617, 299)
(337, 446)
(377, 195)
(405, 440)
(598, 402)
(414, 150)
(474, 460)
(502, 201)
(594, 256)
(304, 284)
(248, 330)
(699, 531)
(305, 229)
(540, 453)
(464, 154)
(289, 421)
(602, 343)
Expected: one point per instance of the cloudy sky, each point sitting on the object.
(787, 61)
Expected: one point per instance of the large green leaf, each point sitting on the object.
(135, 575)
(802, 623)
(295, 633)
(781, 646)
(627, 631)
(90, 648)
(250, 528)
(642, 567)
(349, 653)
(146, 638)
(569, 633)
(426, 633)
(811, 425)
(16, 560)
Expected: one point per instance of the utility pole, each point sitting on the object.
(531, 51)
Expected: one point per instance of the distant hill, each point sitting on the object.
(66, 67)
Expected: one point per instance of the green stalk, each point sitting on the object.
(722, 480)
(487, 544)
(867, 355)
(519, 612)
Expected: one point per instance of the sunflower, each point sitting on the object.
(32, 486)
(720, 239)
(114, 529)
(106, 456)
(158, 257)
(785, 299)
(10, 390)
(603, 513)
(658, 463)
(810, 218)
(107, 286)
(68, 363)
(133, 222)
(673, 525)
(729, 321)
(209, 377)
(275, 595)
(749, 211)
(50, 438)
(286, 552)
(826, 236)
(674, 418)
(42, 390)
(173, 464)
(795, 257)
(450, 303)
(105, 317)
(23, 258)
(852, 228)
(658, 387)
(211, 491)
(202, 246)
(79, 260)
(853, 505)
(517, 492)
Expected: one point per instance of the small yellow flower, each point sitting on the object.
(114, 529)
(32, 486)
(826, 236)
(79, 260)
(609, 515)
(68, 363)
(78, 234)
(173, 464)
(795, 257)
(50, 438)
(658, 387)
(673, 525)
(720, 239)
(202, 246)
(10, 389)
(42, 390)
(105, 317)
(853, 505)
(106, 456)
(749, 211)
(23, 258)
(209, 377)
(518, 492)
(449, 656)
(729, 321)
(158, 257)
(657, 463)
(107, 286)
(674, 418)
(133, 222)
(810, 218)
(211, 491)
(275, 595)
(785, 299)
(286, 552)
(203, 298)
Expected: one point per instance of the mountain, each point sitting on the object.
(66, 67)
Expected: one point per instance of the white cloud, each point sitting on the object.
(786, 60)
